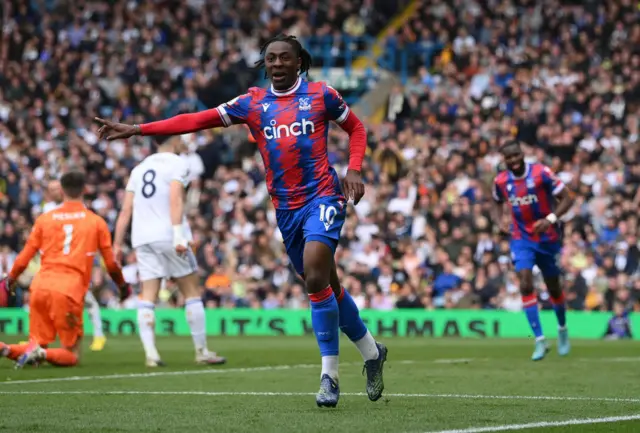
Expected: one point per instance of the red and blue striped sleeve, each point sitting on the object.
(184, 123)
(337, 109)
(237, 110)
(551, 181)
(230, 113)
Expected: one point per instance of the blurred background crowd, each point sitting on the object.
(562, 77)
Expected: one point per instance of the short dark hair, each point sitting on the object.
(73, 184)
(509, 144)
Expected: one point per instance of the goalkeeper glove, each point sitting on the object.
(6, 290)
(125, 291)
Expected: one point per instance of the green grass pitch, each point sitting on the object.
(268, 385)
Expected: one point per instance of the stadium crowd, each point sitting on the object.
(561, 77)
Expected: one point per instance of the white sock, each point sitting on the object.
(330, 366)
(194, 310)
(367, 347)
(146, 327)
(94, 314)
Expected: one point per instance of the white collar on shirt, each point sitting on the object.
(289, 91)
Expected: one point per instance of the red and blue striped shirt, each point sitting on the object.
(531, 197)
(291, 130)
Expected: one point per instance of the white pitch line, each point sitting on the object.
(348, 394)
(455, 361)
(615, 359)
(518, 397)
(533, 425)
(247, 370)
(165, 393)
(191, 372)
(159, 374)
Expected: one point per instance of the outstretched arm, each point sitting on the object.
(176, 125)
(230, 113)
(184, 123)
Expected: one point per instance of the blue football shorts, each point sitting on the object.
(546, 255)
(319, 220)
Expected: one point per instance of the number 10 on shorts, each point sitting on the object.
(327, 215)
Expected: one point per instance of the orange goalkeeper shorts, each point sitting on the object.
(51, 313)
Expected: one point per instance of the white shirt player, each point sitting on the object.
(149, 182)
(49, 206)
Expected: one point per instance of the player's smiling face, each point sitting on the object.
(282, 65)
(514, 159)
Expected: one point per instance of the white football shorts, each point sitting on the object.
(160, 260)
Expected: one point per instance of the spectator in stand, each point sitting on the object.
(619, 326)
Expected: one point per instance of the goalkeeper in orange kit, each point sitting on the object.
(68, 239)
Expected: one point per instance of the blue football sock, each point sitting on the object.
(325, 320)
(350, 322)
(560, 308)
(530, 307)
(561, 314)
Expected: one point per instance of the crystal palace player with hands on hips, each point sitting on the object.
(67, 238)
(290, 122)
(537, 198)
